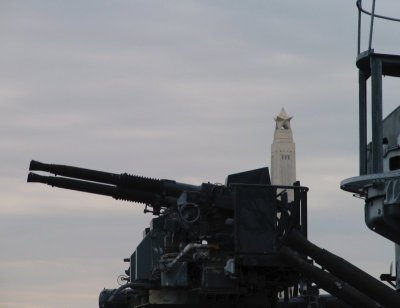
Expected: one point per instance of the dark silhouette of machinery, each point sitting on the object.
(234, 245)
(208, 244)
(243, 244)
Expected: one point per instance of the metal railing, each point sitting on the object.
(373, 15)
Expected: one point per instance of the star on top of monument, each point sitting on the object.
(283, 120)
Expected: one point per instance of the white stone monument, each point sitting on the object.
(283, 153)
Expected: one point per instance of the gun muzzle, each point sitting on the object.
(35, 178)
(38, 166)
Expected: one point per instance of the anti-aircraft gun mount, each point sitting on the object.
(240, 244)
(232, 245)
(208, 244)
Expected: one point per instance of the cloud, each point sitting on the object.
(182, 90)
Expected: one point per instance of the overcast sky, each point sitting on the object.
(183, 90)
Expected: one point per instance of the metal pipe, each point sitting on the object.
(304, 214)
(185, 250)
(327, 281)
(360, 8)
(371, 28)
(359, 27)
(344, 270)
(376, 115)
(362, 82)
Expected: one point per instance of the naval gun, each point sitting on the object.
(151, 192)
(209, 244)
(240, 244)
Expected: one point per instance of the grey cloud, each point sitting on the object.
(185, 90)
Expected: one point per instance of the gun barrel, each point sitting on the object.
(118, 193)
(167, 187)
(75, 172)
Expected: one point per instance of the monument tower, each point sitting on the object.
(283, 153)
